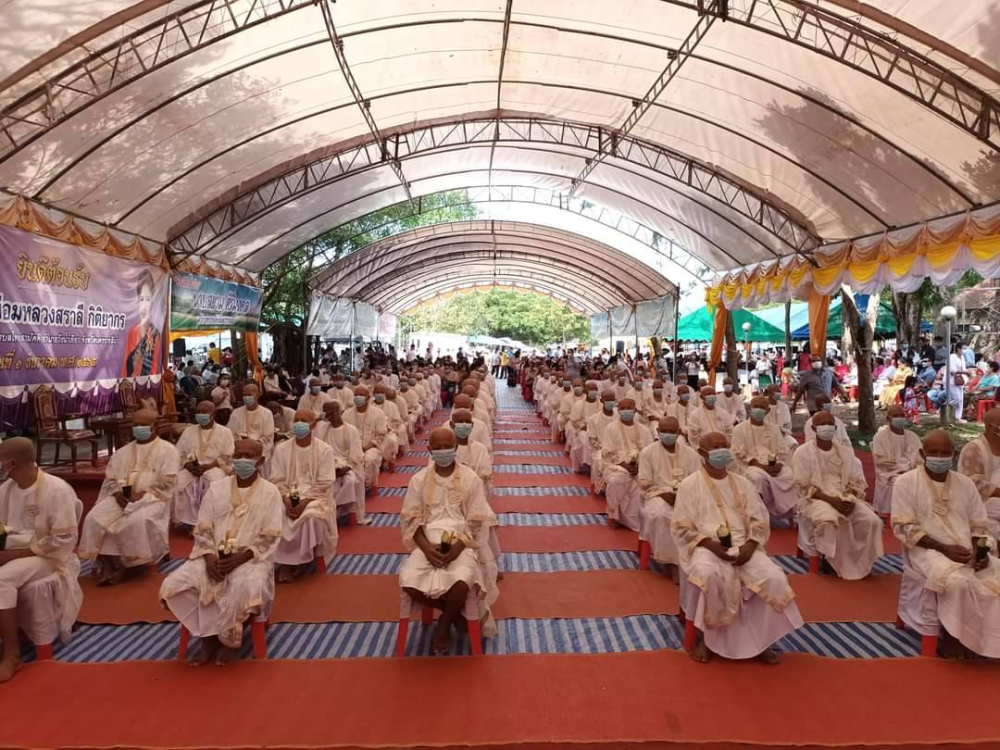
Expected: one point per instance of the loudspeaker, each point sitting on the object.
(619, 347)
(180, 347)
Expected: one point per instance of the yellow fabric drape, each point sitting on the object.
(819, 314)
(167, 392)
(718, 339)
(250, 339)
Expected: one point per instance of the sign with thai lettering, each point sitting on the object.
(203, 303)
(70, 315)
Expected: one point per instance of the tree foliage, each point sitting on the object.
(910, 308)
(526, 317)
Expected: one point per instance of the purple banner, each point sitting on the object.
(70, 315)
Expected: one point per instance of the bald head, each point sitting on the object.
(759, 402)
(711, 441)
(247, 448)
(463, 402)
(459, 416)
(822, 418)
(205, 407)
(144, 417)
(626, 403)
(669, 424)
(895, 411)
(441, 438)
(362, 391)
(20, 450)
(707, 391)
(992, 421)
(305, 415)
(938, 443)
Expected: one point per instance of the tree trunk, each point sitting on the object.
(862, 335)
(732, 357)
(788, 331)
(908, 310)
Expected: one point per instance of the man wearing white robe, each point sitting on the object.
(763, 457)
(39, 514)
(596, 424)
(708, 417)
(129, 524)
(737, 597)
(314, 397)
(480, 430)
(204, 451)
(447, 498)
(654, 405)
(824, 404)
(980, 461)
(564, 423)
(253, 421)
(936, 513)
(621, 444)
(304, 470)
(390, 446)
(478, 408)
(373, 428)
(835, 520)
(619, 384)
(895, 451)
(283, 417)
(731, 400)
(349, 460)
(229, 576)
(341, 392)
(681, 409)
(780, 415)
(409, 419)
(583, 410)
(663, 465)
(412, 402)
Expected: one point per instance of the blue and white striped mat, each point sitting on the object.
(504, 469)
(518, 454)
(384, 520)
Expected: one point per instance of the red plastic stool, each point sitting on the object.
(320, 564)
(644, 552)
(690, 635)
(43, 651)
(258, 635)
(984, 405)
(928, 643)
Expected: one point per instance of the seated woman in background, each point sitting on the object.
(890, 391)
(980, 387)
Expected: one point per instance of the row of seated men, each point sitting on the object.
(258, 511)
(675, 471)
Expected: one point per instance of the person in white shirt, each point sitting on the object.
(272, 383)
(895, 451)
(314, 398)
(373, 427)
(980, 461)
(763, 457)
(583, 410)
(681, 408)
(341, 392)
(663, 465)
(129, 524)
(229, 576)
(284, 417)
(596, 425)
(222, 397)
(204, 451)
(304, 470)
(253, 421)
(621, 443)
(390, 446)
(39, 512)
(732, 400)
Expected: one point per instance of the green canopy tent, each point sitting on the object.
(885, 323)
(697, 326)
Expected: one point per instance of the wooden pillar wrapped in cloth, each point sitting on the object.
(819, 314)
(718, 338)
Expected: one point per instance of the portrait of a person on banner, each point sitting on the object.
(143, 346)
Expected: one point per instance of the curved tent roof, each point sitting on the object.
(240, 129)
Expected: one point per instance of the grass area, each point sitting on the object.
(960, 433)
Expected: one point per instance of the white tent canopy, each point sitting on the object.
(237, 130)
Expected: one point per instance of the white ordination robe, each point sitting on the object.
(373, 428)
(852, 543)
(579, 448)
(256, 424)
(978, 462)
(206, 445)
(344, 395)
(734, 404)
(841, 435)
(481, 434)
(741, 610)
(662, 470)
(42, 518)
(390, 445)
(252, 516)
(893, 456)
(413, 404)
(764, 443)
(702, 421)
(596, 425)
(349, 488)
(313, 402)
(952, 512)
(564, 422)
(456, 503)
(312, 470)
(621, 443)
(138, 533)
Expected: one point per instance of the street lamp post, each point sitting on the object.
(746, 350)
(948, 314)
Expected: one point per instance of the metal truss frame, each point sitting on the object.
(135, 53)
(256, 202)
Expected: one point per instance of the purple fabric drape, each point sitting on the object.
(18, 413)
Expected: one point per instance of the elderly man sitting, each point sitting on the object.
(204, 451)
(621, 444)
(480, 430)
(229, 576)
(349, 460)
(708, 417)
(763, 457)
(825, 405)
(38, 513)
(314, 397)
(129, 524)
(390, 445)
(596, 424)
(737, 597)
(253, 421)
(980, 461)
(304, 470)
(583, 410)
(663, 465)
(895, 451)
(446, 523)
(835, 519)
(939, 517)
(373, 427)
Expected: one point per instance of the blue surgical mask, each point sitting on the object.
(627, 415)
(668, 438)
(141, 432)
(566, 384)
(727, 388)
(638, 385)
(720, 457)
(463, 429)
(443, 457)
(828, 406)
(898, 422)
(203, 419)
(360, 401)
(411, 381)
(938, 464)
(314, 389)
(379, 398)
(826, 431)
(610, 405)
(249, 401)
(685, 397)
(301, 429)
(577, 390)
(592, 395)
(776, 397)
(244, 467)
(709, 400)
(758, 414)
(657, 391)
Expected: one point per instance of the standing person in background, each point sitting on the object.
(214, 355)
(818, 381)
(505, 364)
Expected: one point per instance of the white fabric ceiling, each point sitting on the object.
(234, 94)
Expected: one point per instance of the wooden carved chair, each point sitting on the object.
(52, 428)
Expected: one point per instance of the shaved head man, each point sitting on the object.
(621, 443)
(895, 451)
(764, 457)
(39, 543)
(252, 421)
(205, 450)
(980, 461)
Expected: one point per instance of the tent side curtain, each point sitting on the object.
(599, 326)
(942, 250)
(623, 321)
(656, 318)
(341, 318)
